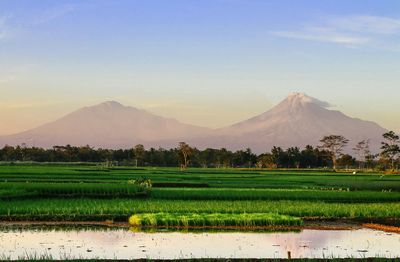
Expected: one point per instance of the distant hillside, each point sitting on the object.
(108, 125)
(298, 120)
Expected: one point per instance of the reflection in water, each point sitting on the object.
(125, 244)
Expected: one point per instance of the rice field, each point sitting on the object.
(203, 177)
(339, 196)
(219, 220)
(70, 190)
(121, 209)
(15, 190)
(93, 193)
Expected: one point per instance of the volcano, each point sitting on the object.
(298, 120)
(108, 125)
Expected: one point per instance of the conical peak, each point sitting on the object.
(111, 104)
(297, 95)
(107, 106)
(301, 99)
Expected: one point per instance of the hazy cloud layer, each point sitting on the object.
(352, 31)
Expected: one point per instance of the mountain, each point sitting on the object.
(107, 125)
(298, 120)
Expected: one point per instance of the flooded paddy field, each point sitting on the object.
(122, 243)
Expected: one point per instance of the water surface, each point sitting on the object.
(125, 244)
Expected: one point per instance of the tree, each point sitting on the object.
(139, 153)
(243, 158)
(224, 158)
(280, 156)
(346, 160)
(390, 147)
(334, 145)
(8, 152)
(369, 160)
(208, 157)
(294, 156)
(23, 150)
(362, 151)
(308, 157)
(265, 160)
(185, 151)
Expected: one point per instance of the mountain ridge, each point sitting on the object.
(108, 124)
(298, 120)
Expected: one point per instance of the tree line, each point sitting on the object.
(330, 153)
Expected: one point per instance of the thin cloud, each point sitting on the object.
(54, 13)
(349, 31)
(321, 36)
(367, 24)
(44, 17)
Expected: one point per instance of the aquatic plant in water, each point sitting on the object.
(247, 220)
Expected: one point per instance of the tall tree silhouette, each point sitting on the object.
(334, 145)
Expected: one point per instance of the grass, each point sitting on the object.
(214, 178)
(246, 220)
(83, 193)
(15, 190)
(122, 209)
(274, 194)
(46, 190)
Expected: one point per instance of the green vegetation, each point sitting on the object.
(94, 193)
(12, 190)
(203, 177)
(274, 194)
(328, 154)
(46, 190)
(247, 220)
(122, 209)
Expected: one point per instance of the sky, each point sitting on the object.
(209, 62)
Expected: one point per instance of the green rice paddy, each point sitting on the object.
(93, 193)
(247, 220)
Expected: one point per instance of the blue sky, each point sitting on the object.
(205, 62)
